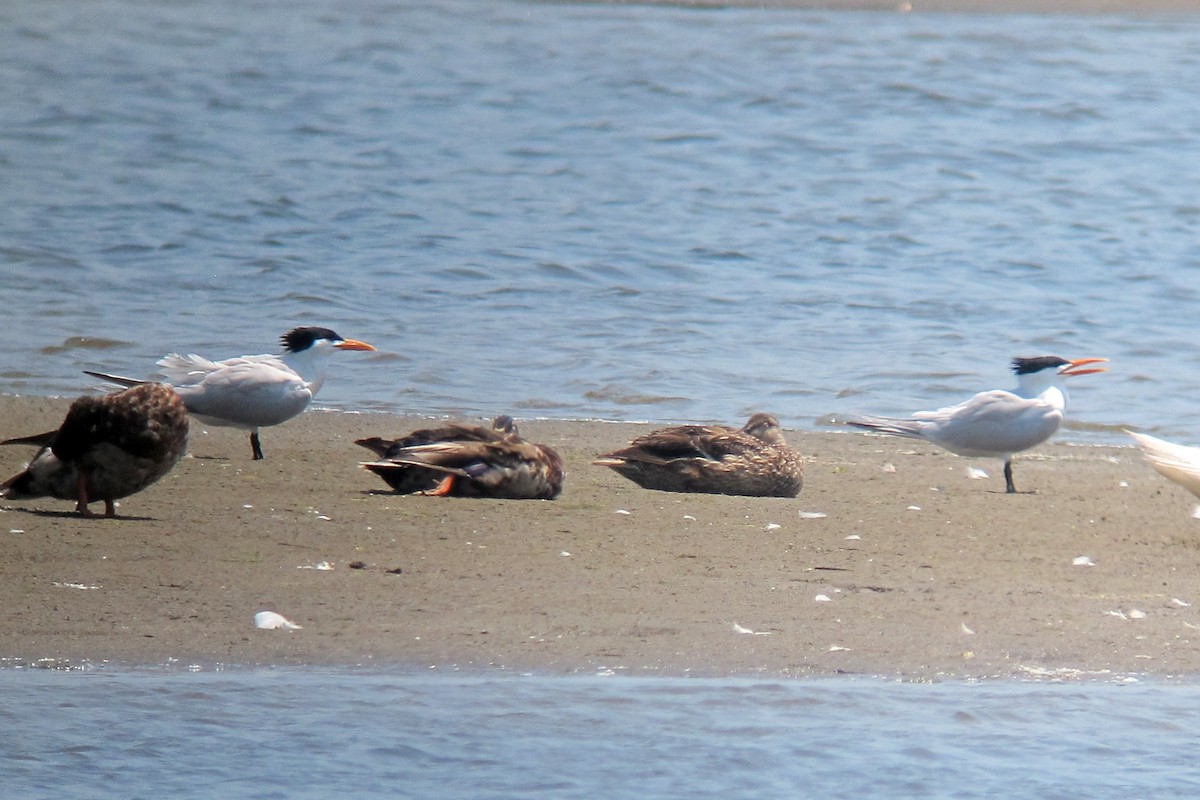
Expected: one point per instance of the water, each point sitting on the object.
(316, 734)
(601, 211)
(623, 212)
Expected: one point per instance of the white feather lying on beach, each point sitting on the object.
(269, 620)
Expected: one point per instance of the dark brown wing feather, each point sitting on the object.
(36, 440)
(682, 441)
(146, 421)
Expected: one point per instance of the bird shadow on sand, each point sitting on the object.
(48, 514)
(382, 493)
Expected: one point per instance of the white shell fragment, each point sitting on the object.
(743, 629)
(773, 526)
(813, 515)
(323, 566)
(1181, 603)
(822, 598)
(976, 474)
(1083, 561)
(269, 620)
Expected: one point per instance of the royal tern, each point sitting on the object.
(106, 448)
(469, 461)
(1174, 462)
(998, 423)
(252, 392)
(714, 459)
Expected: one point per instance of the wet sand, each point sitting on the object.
(891, 562)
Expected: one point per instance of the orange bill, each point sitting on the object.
(1073, 368)
(353, 344)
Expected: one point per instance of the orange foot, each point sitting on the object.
(443, 489)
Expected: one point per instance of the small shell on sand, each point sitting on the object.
(269, 620)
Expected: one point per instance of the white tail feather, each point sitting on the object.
(1174, 462)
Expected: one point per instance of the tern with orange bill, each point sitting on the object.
(997, 423)
(252, 392)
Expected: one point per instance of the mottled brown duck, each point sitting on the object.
(459, 460)
(754, 460)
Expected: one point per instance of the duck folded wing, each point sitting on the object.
(709, 442)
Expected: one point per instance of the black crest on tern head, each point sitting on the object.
(300, 339)
(1028, 366)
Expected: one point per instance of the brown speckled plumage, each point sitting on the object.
(107, 448)
(461, 460)
(713, 459)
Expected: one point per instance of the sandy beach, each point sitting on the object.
(891, 562)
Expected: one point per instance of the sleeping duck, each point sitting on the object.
(713, 459)
(460, 460)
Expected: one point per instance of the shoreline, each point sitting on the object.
(891, 563)
(1038, 7)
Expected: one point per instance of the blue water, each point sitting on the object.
(607, 211)
(325, 734)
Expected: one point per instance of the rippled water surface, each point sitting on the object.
(317, 734)
(601, 211)
(606, 211)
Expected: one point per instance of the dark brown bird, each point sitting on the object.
(460, 460)
(107, 448)
(713, 459)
